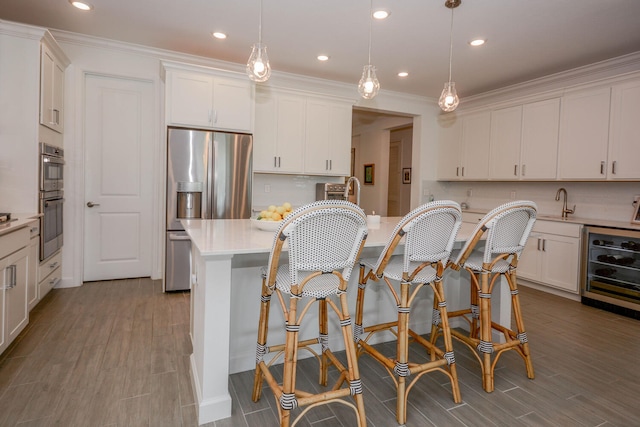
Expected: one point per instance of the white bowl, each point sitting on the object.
(266, 225)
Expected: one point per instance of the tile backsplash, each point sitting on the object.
(593, 200)
(273, 189)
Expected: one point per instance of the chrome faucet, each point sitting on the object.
(565, 211)
(356, 189)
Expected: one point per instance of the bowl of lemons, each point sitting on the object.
(271, 218)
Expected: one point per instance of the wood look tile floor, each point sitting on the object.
(116, 354)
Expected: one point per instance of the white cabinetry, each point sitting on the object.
(33, 296)
(52, 66)
(624, 139)
(552, 256)
(328, 138)
(524, 141)
(464, 148)
(206, 100)
(300, 133)
(49, 274)
(584, 135)
(14, 275)
(279, 133)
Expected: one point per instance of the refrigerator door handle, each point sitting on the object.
(176, 238)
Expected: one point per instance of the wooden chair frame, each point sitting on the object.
(481, 327)
(286, 395)
(440, 360)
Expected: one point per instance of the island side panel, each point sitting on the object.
(211, 305)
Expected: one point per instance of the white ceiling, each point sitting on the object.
(526, 39)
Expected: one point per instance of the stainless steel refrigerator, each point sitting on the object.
(208, 177)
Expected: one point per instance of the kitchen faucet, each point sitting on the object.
(357, 189)
(565, 210)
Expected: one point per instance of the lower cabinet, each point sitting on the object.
(552, 256)
(49, 274)
(14, 274)
(33, 297)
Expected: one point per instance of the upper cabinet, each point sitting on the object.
(301, 133)
(464, 147)
(206, 100)
(624, 138)
(524, 141)
(328, 138)
(52, 66)
(279, 132)
(584, 135)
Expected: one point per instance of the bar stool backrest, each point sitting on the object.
(508, 227)
(322, 236)
(429, 233)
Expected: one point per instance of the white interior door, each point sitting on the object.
(118, 178)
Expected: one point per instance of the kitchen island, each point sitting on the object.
(225, 297)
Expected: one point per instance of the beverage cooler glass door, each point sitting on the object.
(611, 268)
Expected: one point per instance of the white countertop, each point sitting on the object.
(18, 221)
(225, 237)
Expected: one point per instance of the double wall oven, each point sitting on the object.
(51, 199)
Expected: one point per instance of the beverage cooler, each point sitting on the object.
(611, 270)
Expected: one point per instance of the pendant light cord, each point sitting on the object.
(451, 45)
(370, 19)
(260, 26)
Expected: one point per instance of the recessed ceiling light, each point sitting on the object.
(219, 35)
(81, 5)
(403, 74)
(323, 57)
(477, 42)
(381, 14)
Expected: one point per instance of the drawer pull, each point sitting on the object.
(53, 265)
(54, 282)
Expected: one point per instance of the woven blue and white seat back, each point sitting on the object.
(509, 229)
(324, 236)
(429, 233)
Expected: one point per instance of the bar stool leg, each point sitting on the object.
(263, 328)
(486, 341)
(402, 353)
(522, 334)
(448, 341)
(357, 327)
(355, 383)
(288, 399)
(323, 338)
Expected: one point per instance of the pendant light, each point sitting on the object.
(258, 68)
(369, 85)
(449, 98)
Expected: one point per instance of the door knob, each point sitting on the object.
(91, 204)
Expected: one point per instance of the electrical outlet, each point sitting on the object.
(513, 195)
(470, 192)
(267, 188)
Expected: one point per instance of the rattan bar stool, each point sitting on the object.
(428, 233)
(324, 241)
(507, 229)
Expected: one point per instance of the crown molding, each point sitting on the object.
(21, 30)
(588, 74)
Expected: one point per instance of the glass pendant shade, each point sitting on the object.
(449, 98)
(369, 85)
(258, 68)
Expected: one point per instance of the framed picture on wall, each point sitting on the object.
(406, 175)
(636, 210)
(369, 173)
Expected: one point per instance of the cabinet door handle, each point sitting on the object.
(210, 116)
(330, 164)
(515, 170)
(538, 243)
(544, 245)
(275, 161)
(601, 168)
(613, 167)
(463, 171)
(57, 116)
(215, 116)
(458, 171)
(326, 165)
(10, 277)
(523, 169)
